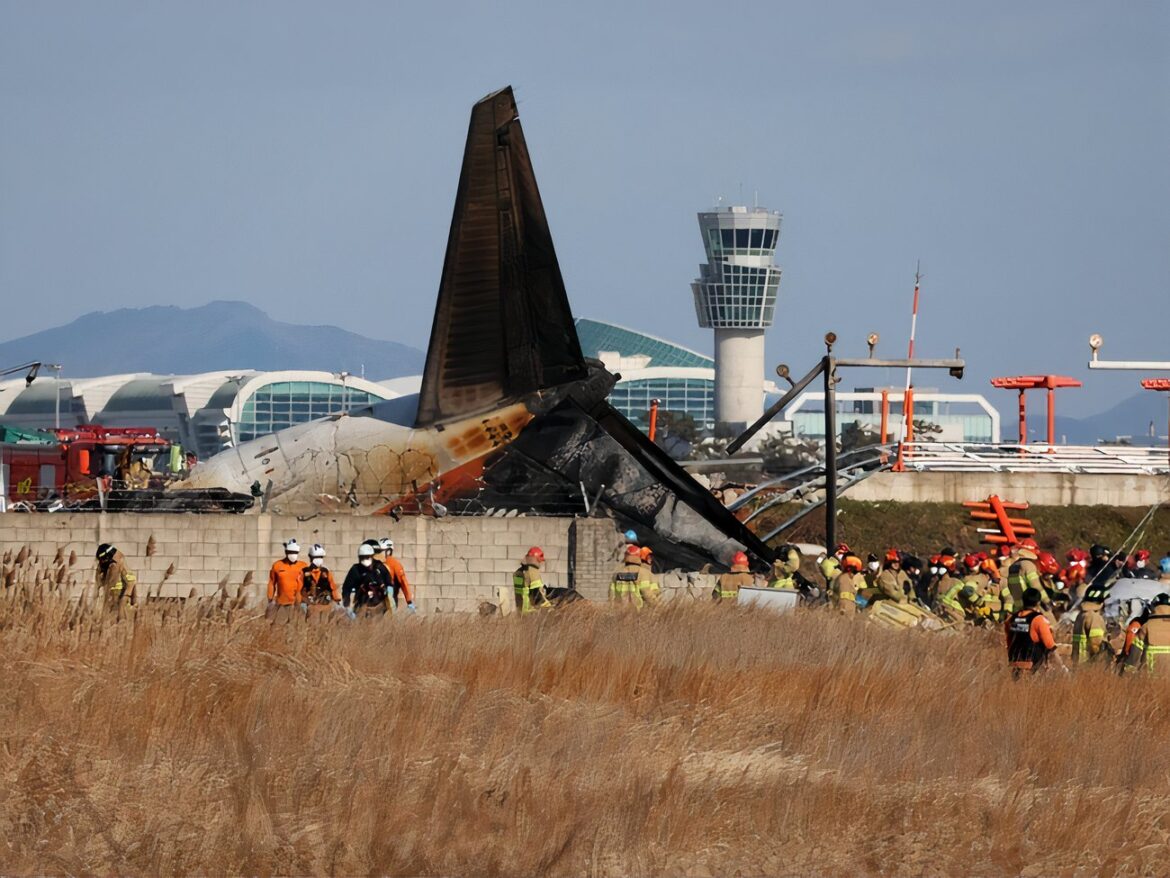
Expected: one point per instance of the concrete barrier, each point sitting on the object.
(1039, 489)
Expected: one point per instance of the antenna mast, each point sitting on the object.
(906, 433)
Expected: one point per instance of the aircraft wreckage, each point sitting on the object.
(510, 415)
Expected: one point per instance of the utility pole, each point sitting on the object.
(827, 367)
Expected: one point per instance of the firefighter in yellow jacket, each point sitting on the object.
(115, 581)
(527, 584)
(1088, 639)
(648, 590)
(728, 585)
(843, 589)
(623, 587)
(892, 583)
(1151, 647)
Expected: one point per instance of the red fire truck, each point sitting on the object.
(69, 464)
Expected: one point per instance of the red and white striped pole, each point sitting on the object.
(906, 433)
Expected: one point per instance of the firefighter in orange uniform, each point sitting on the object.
(319, 589)
(398, 581)
(286, 580)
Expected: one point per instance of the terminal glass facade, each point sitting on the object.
(596, 336)
(279, 405)
(689, 396)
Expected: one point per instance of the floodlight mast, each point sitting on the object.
(1095, 344)
(827, 367)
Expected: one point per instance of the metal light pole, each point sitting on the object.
(1095, 343)
(56, 367)
(828, 368)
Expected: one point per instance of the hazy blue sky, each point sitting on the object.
(304, 157)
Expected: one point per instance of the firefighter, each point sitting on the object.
(318, 588)
(364, 589)
(727, 586)
(892, 583)
(1023, 572)
(623, 587)
(975, 602)
(397, 573)
(1030, 644)
(1101, 569)
(1151, 646)
(383, 572)
(1073, 575)
(785, 568)
(995, 592)
(947, 590)
(648, 590)
(1052, 586)
(115, 581)
(844, 589)
(1131, 633)
(1088, 639)
(527, 584)
(285, 581)
(1141, 568)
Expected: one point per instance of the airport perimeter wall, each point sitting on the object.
(1039, 489)
(454, 564)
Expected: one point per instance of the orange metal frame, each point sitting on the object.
(1023, 383)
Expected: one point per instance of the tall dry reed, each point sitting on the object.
(691, 740)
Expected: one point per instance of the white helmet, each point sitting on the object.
(365, 551)
(292, 545)
(387, 544)
(317, 551)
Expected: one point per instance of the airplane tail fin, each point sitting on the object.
(502, 327)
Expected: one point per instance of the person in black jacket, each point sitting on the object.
(364, 591)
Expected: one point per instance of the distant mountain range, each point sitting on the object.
(221, 335)
(1131, 417)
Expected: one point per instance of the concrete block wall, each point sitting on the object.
(1039, 489)
(454, 564)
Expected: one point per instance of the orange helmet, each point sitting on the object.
(739, 559)
(988, 566)
(852, 564)
(536, 552)
(1047, 563)
(946, 561)
(646, 552)
(893, 555)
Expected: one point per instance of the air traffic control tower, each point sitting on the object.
(735, 294)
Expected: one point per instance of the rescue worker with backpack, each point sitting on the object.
(623, 587)
(379, 565)
(727, 586)
(1030, 644)
(1151, 646)
(527, 585)
(364, 589)
(319, 590)
(1088, 639)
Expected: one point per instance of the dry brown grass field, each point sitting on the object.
(693, 740)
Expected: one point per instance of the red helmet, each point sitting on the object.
(1141, 555)
(739, 559)
(972, 561)
(842, 549)
(1029, 544)
(893, 555)
(852, 564)
(1047, 563)
(633, 551)
(1003, 550)
(1076, 555)
(536, 552)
